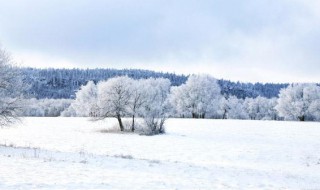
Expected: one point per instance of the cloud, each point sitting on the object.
(41, 60)
(264, 40)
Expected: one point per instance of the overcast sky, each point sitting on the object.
(246, 40)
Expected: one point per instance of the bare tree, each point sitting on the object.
(11, 87)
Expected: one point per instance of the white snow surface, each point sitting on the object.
(73, 153)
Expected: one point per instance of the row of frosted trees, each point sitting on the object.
(124, 97)
(200, 97)
(154, 100)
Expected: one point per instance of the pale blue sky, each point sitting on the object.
(247, 40)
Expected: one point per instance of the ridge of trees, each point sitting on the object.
(63, 83)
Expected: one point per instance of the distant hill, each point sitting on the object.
(63, 83)
(251, 90)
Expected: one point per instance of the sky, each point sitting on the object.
(247, 40)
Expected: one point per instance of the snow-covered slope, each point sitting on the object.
(73, 153)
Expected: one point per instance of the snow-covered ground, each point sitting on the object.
(73, 153)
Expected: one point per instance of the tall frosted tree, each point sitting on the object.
(299, 102)
(114, 98)
(197, 98)
(11, 87)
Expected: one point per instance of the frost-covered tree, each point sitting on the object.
(299, 102)
(197, 98)
(223, 107)
(11, 87)
(156, 108)
(139, 91)
(177, 99)
(44, 107)
(114, 98)
(271, 112)
(234, 108)
(85, 104)
(314, 110)
(260, 108)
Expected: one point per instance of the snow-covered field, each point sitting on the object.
(73, 153)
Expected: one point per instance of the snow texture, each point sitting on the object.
(73, 153)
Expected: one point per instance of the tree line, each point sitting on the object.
(199, 97)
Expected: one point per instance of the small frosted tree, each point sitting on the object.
(156, 108)
(139, 91)
(298, 101)
(198, 97)
(260, 108)
(234, 108)
(223, 107)
(85, 104)
(45, 107)
(11, 87)
(114, 98)
(314, 110)
(177, 99)
(271, 112)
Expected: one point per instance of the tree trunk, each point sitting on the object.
(161, 128)
(120, 123)
(301, 118)
(196, 115)
(224, 114)
(132, 126)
